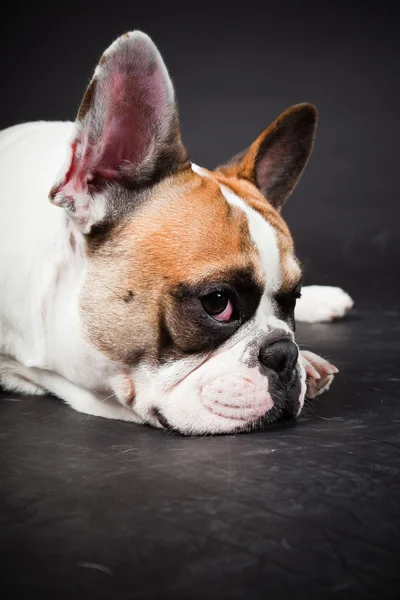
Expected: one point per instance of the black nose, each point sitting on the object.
(280, 357)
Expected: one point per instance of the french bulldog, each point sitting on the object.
(150, 289)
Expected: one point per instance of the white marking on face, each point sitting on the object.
(264, 237)
(200, 171)
(262, 233)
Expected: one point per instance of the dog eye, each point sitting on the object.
(218, 305)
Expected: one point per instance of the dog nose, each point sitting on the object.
(280, 356)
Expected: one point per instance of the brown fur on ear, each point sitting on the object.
(276, 160)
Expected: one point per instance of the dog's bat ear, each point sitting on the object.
(276, 160)
(126, 132)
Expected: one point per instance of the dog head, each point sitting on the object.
(190, 275)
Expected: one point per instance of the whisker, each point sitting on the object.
(302, 346)
(112, 291)
(108, 397)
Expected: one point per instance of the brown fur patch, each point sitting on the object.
(185, 232)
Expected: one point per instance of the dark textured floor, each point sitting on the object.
(103, 509)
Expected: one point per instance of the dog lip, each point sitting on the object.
(157, 414)
(242, 425)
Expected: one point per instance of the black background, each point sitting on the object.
(309, 511)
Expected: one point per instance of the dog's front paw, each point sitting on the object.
(322, 303)
(320, 373)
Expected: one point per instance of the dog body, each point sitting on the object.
(42, 269)
(162, 292)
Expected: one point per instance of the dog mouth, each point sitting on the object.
(162, 420)
(281, 412)
(285, 406)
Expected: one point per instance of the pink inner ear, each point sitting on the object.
(128, 117)
(125, 136)
(75, 179)
(134, 109)
(124, 143)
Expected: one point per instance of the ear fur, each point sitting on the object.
(126, 133)
(276, 160)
